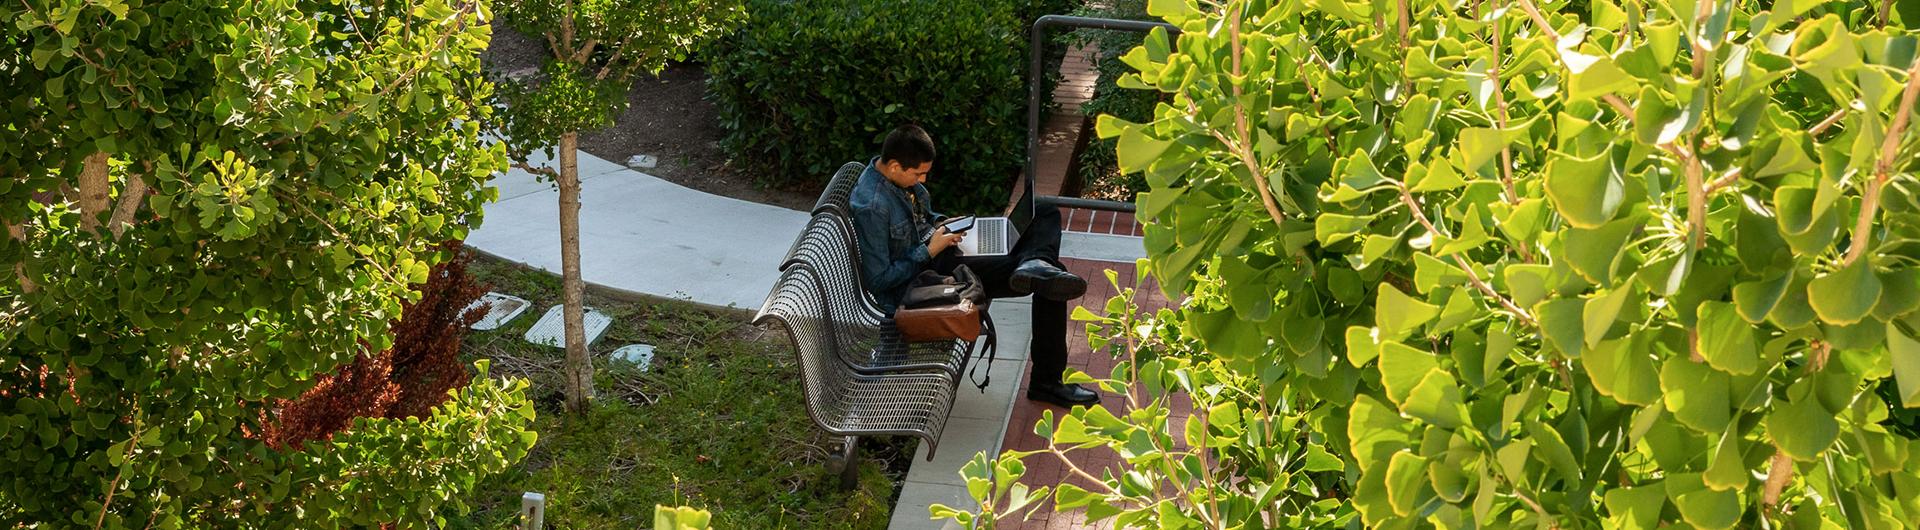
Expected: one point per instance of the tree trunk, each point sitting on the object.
(130, 200)
(93, 190)
(19, 234)
(579, 367)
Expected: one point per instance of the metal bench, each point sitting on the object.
(844, 401)
(859, 376)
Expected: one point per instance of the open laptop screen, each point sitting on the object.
(1022, 214)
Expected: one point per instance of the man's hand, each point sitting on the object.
(941, 241)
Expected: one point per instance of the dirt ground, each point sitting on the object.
(668, 117)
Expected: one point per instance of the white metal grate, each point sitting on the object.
(502, 308)
(551, 329)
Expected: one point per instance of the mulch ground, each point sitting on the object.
(667, 116)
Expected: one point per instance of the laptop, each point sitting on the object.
(995, 236)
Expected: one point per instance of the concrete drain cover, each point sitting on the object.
(641, 355)
(501, 309)
(551, 330)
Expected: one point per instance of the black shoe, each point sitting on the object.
(1047, 281)
(1062, 395)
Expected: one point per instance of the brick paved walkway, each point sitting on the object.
(1060, 131)
(1042, 470)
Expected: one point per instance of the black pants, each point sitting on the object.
(1040, 241)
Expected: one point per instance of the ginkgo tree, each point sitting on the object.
(1512, 263)
(598, 48)
(209, 204)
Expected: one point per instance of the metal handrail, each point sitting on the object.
(1036, 52)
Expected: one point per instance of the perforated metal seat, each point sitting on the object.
(836, 199)
(866, 338)
(839, 190)
(841, 400)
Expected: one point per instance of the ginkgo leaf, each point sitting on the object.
(1625, 373)
(1398, 315)
(1706, 508)
(1725, 340)
(1436, 400)
(1441, 176)
(1592, 76)
(1755, 299)
(1586, 191)
(1407, 487)
(1401, 368)
(1802, 429)
(1600, 312)
(1846, 295)
(1561, 324)
(1636, 507)
(1696, 394)
(1905, 352)
(1594, 253)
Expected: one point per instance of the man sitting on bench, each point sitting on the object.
(899, 238)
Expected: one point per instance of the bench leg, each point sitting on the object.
(850, 464)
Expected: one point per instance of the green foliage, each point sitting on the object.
(1098, 169)
(808, 85)
(566, 99)
(300, 160)
(1518, 265)
(716, 422)
(680, 518)
(599, 49)
(416, 470)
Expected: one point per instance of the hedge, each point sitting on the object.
(808, 85)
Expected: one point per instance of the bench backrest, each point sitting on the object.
(797, 302)
(836, 201)
(827, 243)
(839, 192)
(860, 327)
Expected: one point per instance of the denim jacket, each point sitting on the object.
(893, 234)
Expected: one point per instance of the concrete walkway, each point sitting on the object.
(644, 235)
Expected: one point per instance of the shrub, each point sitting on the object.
(1096, 167)
(1514, 265)
(363, 388)
(427, 338)
(808, 85)
(405, 381)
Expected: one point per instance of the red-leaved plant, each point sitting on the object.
(407, 380)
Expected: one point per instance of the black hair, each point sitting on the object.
(909, 145)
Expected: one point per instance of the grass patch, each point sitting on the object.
(718, 423)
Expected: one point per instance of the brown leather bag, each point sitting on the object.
(940, 307)
(946, 322)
